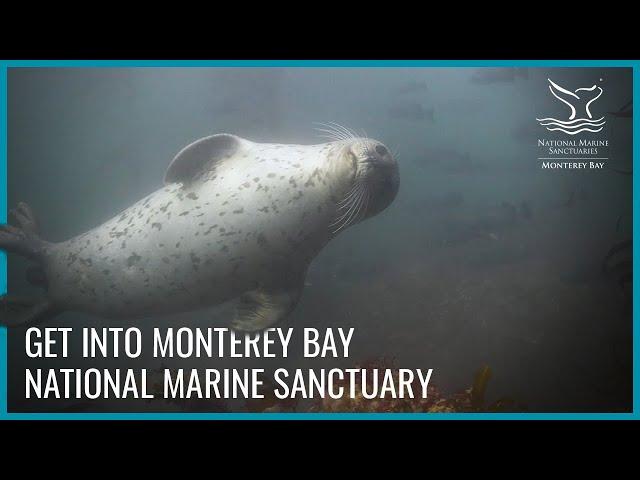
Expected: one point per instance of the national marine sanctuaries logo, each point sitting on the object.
(579, 102)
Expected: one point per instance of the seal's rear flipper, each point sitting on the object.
(16, 311)
(15, 240)
(262, 308)
(25, 219)
(23, 238)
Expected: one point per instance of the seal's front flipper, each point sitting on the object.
(16, 311)
(262, 308)
(201, 156)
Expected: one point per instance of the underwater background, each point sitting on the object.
(484, 258)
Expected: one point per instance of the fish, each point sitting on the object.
(447, 200)
(487, 76)
(525, 210)
(495, 219)
(621, 171)
(413, 86)
(571, 200)
(618, 262)
(526, 132)
(450, 160)
(625, 111)
(462, 106)
(413, 112)
(625, 114)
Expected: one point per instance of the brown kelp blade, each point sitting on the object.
(479, 387)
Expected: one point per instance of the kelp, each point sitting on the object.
(477, 393)
(618, 262)
(472, 399)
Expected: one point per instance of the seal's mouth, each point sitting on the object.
(376, 182)
(383, 180)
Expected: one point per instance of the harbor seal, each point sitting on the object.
(235, 219)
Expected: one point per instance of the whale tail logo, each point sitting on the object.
(579, 102)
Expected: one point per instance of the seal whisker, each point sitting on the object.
(325, 127)
(366, 205)
(364, 200)
(350, 206)
(347, 202)
(353, 133)
(365, 142)
(327, 130)
(355, 211)
(365, 137)
(331, 135)
(348, 211)
(345, 219)
(340, 128)
(337, 132)
(349, 195)
(349, 134)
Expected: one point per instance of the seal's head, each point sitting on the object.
(375, 173)
(371, 180)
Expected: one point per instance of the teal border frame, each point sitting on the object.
(5, 65)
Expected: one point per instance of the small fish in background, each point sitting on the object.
(413, 86)
(449, 160)
(618, 263)
(117, 173)
(461, 164)
(449, 200)
(511, 212)
(413, 111)
(118, 163)
(626, 111)
(574, 196)
(494, 220)
(446, 202)
(621, 171)
(625, 114)
(526, 133)
(571, 200)
(223, 107)
(462, 106)
(525, 210)
(487, 76)
(501, 217)
(584, 195)
(490, 222)
(444, 155)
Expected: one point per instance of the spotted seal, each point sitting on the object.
(235, 219)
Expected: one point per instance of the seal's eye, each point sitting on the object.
(381, 150)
